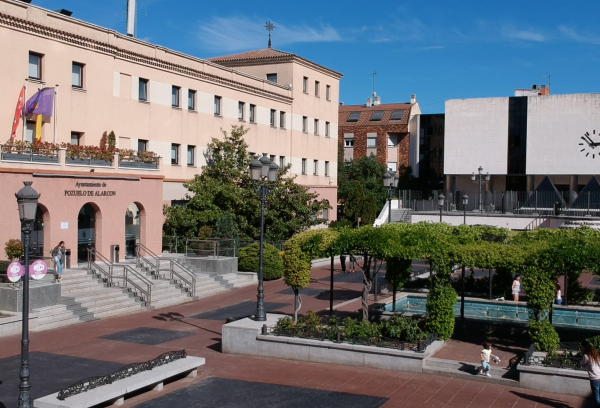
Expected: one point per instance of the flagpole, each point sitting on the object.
(23, 113)
(55, 112)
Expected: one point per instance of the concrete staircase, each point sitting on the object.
(401, 215)
(468, 371)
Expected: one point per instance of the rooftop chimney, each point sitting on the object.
(413, 99)
(131, 18)
(376, 101)
(368, 102)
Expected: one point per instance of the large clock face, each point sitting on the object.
(590, 147)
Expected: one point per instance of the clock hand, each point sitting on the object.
(587, 140)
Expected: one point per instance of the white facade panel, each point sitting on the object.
(159, 93)
(476, 135)
(555, 127)
(116, 84)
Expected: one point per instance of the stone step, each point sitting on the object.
(93, 306)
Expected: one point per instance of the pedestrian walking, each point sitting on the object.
(591, 362)
(485, 355)
(558, 294)
(352, 262)
(57, 254)
(516, 288)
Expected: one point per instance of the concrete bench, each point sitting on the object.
(117, 391)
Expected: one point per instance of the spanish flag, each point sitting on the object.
(38, 128)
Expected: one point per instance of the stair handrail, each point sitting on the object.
(128, 281)
(535, 222)
(154, 263)
(190, 281)
(92, 255)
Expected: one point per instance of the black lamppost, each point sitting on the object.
(390, 181)
(262, 170)
(441, 199)
(480, 180)
(465, 202)
(27, 200)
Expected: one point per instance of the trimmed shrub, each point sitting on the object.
(272, 261)
(543, 334)
(440, 311)
(13, 249)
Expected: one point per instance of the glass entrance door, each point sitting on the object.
(86, 231)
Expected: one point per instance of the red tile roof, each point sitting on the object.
(366, 112)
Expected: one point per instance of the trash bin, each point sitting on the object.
(556, 208)
(114, 253)
(67, 260)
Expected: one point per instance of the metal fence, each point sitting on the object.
(177, 245)
(567, 356)
(200, 248)
(515, 202)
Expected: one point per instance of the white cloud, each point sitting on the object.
(527, 35)
(432, 47)
(240, 33)
(571, 34)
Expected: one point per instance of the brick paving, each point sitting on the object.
(400, 388)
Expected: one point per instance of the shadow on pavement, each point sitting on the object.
(546, 402)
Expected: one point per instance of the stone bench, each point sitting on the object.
(117, 391)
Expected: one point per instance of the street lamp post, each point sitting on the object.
(390, 181)
(262, 170)
(465, 202)
(27, 200)
(441, 199)
(480, 180)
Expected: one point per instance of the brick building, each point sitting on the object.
(384, 130)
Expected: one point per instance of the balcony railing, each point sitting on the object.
(34, 155)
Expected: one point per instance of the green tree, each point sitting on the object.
(360, 189)
(224, 186)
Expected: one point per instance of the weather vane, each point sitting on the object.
(270, 27)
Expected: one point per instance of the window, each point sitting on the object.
(35, 66)
(76, 138)
(174, 154)
(354, 116)
(253, 113)
(191, 154)
(325, 214)
(217, 106)
(316, 127)
(317, 88)
(142, 145)
(241, 108)
(30, 131)
(327, 168)
(326, 129)
(281, 161)
(349, 142)
(304, 124)
(376, 116)
(282, 120)
(272, 158)
(77, 75)
(315, 167)
(305, 84)
(303, 166)
(371, 141)
(272, 78)
(392, 141)
(175, 91)
(143, 90)
(397, 114)
(392, 166)
(327, 92)
(191, 99)
(272, 117)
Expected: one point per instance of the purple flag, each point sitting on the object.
(41, 103)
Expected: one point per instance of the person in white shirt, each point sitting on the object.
(558, 296)
(516, 288)
(485, 355)
(591, 362)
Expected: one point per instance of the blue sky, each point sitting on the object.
(437, 50)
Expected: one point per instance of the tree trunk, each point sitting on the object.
(367, 283)
(297, 303)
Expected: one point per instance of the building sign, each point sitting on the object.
(14, 271)
(64, 225)
(38, 269)
(84, 192)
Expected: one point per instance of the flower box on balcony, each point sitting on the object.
(89, 162)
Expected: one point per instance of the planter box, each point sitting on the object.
(552, 379)
(89, 162)
(35, 158)
(243, 337)
(138, 165)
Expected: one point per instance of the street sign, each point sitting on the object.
(38, 269)
(14, 271)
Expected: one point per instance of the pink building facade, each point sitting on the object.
(154, 100)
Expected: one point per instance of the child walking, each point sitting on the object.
(485, 355)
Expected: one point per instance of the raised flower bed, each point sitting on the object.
(138, 160)
(30, 152)
(89, 155)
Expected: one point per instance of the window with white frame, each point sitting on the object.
(35, 66)
(315, 167)
(272, 117)
(174, 154)
(191, 100)
(372, 141)
(30, 131)
(316, 127)
(77, 75)
(175, 92)
(303, 166)
(191, 155)
(392, 166)
(327, 168)
(281, 161)
(305, 124)
(217, 106)
(252, 116)
(349, 141)
(142, 145)
(241, 108)
(326, 129)
(143, 90)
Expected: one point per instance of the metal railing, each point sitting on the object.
(185, 276)
(130, 284)
(200, 248)
(174, 244)
(151, 260)
(567, 356)
(105, 268)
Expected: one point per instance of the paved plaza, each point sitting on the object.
(63, 356)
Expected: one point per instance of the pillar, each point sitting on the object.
(573, 187)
